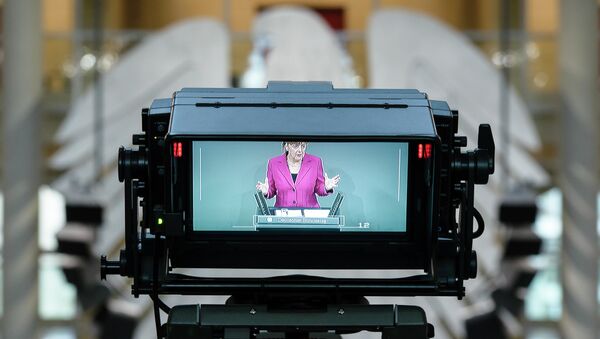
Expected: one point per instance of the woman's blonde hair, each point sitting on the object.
(286, 142)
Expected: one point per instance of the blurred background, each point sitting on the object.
(76, 74)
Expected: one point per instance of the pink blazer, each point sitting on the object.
(310, 181)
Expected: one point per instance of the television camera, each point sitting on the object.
(404, 202)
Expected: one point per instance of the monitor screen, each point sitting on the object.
(252, 186)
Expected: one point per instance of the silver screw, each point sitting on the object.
(252, 311)
(341, 311)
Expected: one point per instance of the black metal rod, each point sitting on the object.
(219, 287)
(130, 226)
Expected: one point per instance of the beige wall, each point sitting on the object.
(356, 12)
(451, 12)
(58, 17)
(543, 17)
(153, 14)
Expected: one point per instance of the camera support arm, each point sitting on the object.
(132, 165)
(471, 168)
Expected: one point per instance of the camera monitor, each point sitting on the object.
(297, 146)
(301, 176)
(317, 202)
(372, 176)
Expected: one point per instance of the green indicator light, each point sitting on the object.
(160, 221)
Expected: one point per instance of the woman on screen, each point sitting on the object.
(295, 177)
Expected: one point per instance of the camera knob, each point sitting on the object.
(484, 154)
(132, 164)
(108, 267)
(472, 268)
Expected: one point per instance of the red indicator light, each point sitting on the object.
(424, 151)
(177, 150)
(427, 154)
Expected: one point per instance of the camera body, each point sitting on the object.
(408, 191)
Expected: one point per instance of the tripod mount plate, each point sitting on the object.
(244, 321)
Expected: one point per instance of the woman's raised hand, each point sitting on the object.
(263, 187)
(331, 183)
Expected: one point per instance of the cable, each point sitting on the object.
(158, 306)
(480, 224)
(164, 307)
(157, 320)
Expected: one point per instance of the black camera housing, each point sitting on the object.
(157, 176)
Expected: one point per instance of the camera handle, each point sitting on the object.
(247, 321)
(132, 166)
(472, 168)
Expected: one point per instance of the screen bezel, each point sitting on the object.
(406, 249)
